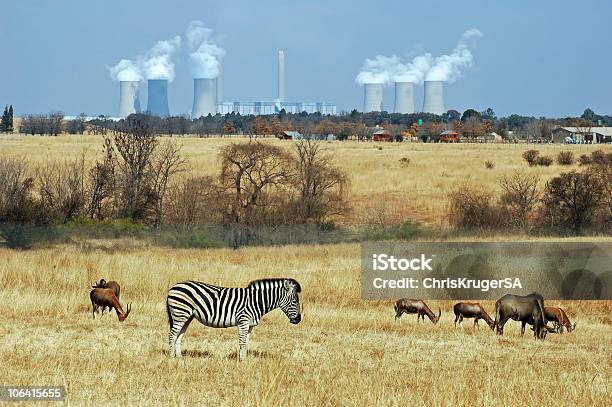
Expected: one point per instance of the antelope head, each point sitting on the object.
(122, 316)
(436, 319)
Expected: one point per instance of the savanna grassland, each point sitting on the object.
(346, 351)
(384, 187)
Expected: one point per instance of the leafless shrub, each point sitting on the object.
(489, 165)
(530, 156)
(565, 158)
(474, 208)
(62, 189)
(543, 160)
(404, 162)
(519, 197)
(194, 201)
(572, 201)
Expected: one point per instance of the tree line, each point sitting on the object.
(354, 125)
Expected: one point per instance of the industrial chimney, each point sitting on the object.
(157, 102)
(404, 98)
(281, 76)
(204, 97)
(433, 101)
(372, 97)
(129, 101)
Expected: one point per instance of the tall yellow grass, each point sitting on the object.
(344, 352)
(383, 189)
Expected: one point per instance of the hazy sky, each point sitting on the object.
(537, 58)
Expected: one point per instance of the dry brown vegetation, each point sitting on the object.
(345, 352)
(382, 187)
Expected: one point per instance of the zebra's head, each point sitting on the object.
(290, 301)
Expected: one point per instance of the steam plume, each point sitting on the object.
(449, 67)
(204, 54)
(125, 70)
(157, 62)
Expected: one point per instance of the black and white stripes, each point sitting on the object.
(223, 307)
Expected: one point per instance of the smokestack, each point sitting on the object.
(404, 98)
(281, 76)
(129, 101)
(157, 102)
(433, 102)
(372, 97)
(204, 97)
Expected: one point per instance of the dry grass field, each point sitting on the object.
(344, 352)
(383, 189)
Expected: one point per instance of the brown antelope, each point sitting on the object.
(471, 310)
(410, 306)
(559, 319)
(110, 284)
(105, 297)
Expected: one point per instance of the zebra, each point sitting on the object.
(224, 307)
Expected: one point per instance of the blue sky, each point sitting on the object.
(548, 58)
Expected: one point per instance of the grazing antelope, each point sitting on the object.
(471, 310)
(113, 285)
(105, 297)
(528, 309)
(224, 307)
(110, 284)
(559, 319)
(410, 306)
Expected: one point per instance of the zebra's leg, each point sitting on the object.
(176, 332)
(177, 343)
(243, 339)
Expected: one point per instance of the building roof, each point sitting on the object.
(381, 132)
(606, 131)
(292, 133)
(448, 132)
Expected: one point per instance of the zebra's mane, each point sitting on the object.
(262, 281)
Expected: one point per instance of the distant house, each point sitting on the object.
(493, 138)
(582, 135)
(449, 136)
(291, 135)
(296, 135)
(381, 134)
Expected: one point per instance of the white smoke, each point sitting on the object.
(383, 69)
(448, 68)
(125, 70)
(377, 70)
(204, 54)
(157, 62)
(413, 71)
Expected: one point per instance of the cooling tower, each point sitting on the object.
(204, 97)
(281, 76)
(372, 97)
(404, 97)
(433, 102)
(157, 102)
(129, 101)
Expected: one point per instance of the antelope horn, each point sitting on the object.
(439, 313)
(574, 327)
(128, 309)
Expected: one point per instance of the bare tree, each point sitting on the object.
(250, 171)
(165, 163)
(102, 182)
(322, 186)
(62, 189)
(520, 196)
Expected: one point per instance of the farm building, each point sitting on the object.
(296, 135)
(381, 134)
(582, 135)
(449, 136)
